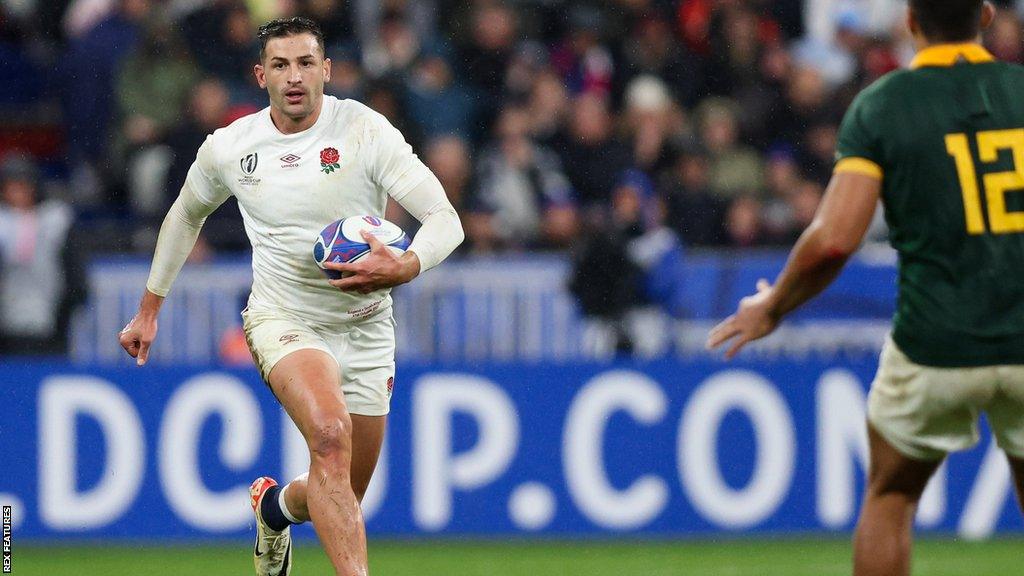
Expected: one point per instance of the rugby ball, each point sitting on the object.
(341, 242)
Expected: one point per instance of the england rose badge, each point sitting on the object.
(329, 160)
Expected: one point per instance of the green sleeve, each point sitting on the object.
(858, 134)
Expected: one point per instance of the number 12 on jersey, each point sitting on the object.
(996, 184)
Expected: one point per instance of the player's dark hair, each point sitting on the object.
(948, 20)
(283, 27)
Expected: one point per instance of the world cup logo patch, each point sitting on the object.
(248, 163)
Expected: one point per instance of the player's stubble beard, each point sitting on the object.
(310, 103)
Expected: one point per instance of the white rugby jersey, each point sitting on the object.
(290, 186)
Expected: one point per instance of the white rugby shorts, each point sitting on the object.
(364, 350)
(926, 412)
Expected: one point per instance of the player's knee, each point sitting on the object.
(330, 435)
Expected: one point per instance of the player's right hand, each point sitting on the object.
(137, 336)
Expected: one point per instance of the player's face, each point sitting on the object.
(294, 71)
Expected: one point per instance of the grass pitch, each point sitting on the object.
(764, 557)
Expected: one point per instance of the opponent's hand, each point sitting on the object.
(381, 269)
(753, 319)
(137, 336)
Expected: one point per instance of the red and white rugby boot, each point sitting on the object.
(272, 554)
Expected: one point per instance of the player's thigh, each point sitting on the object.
(891, 472)
(367, 438)
(926, 412)
(272, 336)
(367, 360)
(306, 384)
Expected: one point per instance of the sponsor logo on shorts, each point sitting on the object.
(391, 384)
(288, 338)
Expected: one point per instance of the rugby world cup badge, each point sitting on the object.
(248, 165)
(329, 160)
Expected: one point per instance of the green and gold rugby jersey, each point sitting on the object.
(947, 140)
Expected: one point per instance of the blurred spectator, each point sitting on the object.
(436, 101)
(221, 37)
(834, 60)
(818, 151)
(735, 168)
(386, 98)
(584, 63)
(822, 17)
(781, 178)
(529, 60)
(486, 55)
(88, 69)
(347, 77)
(152, 85)
(803, 203)
(449, 159)
(627, 264)
(334, 16)
(652, 123)
(549, 107)
(393, 50)
(743, 225)
(209, 108)
(591, 156)
(736, 43)
(41, 276)
(420, 15)
(693, 211)
(522, 197)
(652, 49)
(25, 78)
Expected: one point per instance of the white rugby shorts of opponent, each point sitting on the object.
(325, 348)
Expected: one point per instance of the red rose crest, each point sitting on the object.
(329, 160)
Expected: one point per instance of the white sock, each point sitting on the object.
(284, 507)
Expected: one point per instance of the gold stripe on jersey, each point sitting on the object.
(858, 165)
(950, 54)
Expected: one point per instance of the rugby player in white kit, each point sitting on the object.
(325, 348)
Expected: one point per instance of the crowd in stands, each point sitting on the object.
(657, 125)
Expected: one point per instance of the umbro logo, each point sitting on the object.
(290, 161)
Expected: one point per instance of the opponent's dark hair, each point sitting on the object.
(288, 27)
(948, 20)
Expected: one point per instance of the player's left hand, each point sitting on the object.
(381, 269)
(753, 319)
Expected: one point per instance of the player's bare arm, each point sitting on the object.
(817, 258)
(381, 269)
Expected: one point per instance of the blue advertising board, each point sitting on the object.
(662, 449)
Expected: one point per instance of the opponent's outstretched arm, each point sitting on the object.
(817, 258)
(177, 237)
